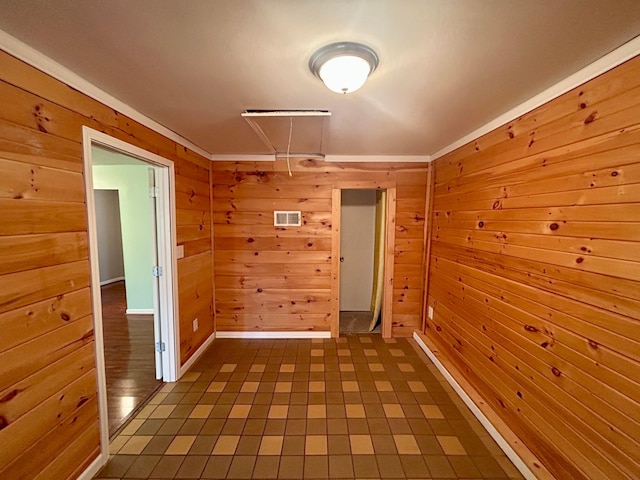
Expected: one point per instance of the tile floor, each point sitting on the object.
(353, 407)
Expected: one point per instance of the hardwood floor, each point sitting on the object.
(129, 356)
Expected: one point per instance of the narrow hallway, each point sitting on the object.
(353, 407)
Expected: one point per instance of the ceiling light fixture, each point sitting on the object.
(343, 66)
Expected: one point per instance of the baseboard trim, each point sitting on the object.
(283, 334)
(196, 355)
(111, 280)
(518, 462)
(139, 311)
(94, 467)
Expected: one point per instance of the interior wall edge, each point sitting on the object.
(38, 60)
(496, 428)
(591, 71)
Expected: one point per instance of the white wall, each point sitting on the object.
(132, 183)
(357, 239)
(110, 257)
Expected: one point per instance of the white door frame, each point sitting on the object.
(168, 303)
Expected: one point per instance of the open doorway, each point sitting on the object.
(134, 305)
(362, 266)
(127, 238)
(359, 261)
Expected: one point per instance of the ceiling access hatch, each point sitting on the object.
(297, 132)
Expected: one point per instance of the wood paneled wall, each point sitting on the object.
(268, 278)
(535, 275)
(48, 399)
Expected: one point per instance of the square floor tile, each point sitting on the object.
(361, 444)
(226, 445)
(406, 445)
(271, 445)
(315, 445)
(135, 445)
(180, 445)
(451, 445)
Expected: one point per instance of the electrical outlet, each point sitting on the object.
(430, 312)
(195, 324)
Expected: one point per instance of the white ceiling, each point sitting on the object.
(446, 66)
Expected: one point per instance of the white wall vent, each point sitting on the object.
(283, 218)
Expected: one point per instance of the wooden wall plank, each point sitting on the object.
(533, 275)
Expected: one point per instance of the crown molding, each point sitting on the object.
(378, 158)
(600, 66)
(242, 158)
(38, 60)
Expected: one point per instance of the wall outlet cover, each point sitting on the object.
(430, 312)
(195, 324)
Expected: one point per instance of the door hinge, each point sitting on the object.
(154, 192)
(160, 347)
(156, 271)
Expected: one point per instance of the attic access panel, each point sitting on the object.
(307, 129)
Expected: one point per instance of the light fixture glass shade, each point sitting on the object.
(343, 67)
(345, 74)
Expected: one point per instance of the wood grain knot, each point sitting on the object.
(10, 396)
(480, 224)
(554, 226)
(531, 328)
(544, 344)
(593, 344)
(579, 260)
(259, 290)
(250, 240)
(556, 371)
(614, 173)
(590, 118)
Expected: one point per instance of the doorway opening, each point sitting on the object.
(360, 265)
(362, 269)
(131, 233)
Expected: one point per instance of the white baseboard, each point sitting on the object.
(139, 311)
(196, 355)
(111, 280)
(94, 467)
(500, 440)
(283, 334)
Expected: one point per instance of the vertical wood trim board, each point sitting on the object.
(336, 211)
(280, 278)
(49, 415)
(427, 245)
(534, 275)
(389, 258)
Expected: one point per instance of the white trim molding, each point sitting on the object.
(591, 71)
(111, 280)
(36, 59)
(270, 157)
(378, 158)
(139, 311)
(196, 355)
(500, 440)
(283, 334)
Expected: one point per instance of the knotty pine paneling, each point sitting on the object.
(268, 278)
(534, 275)
(48, 398)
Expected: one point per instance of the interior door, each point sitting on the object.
(156, 271)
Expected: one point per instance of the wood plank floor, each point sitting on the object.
(129, 356)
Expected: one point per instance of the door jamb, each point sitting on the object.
(390, 236)
(166, 256)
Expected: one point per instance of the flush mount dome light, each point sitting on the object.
(343, 66)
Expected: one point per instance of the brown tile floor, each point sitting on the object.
(353, 407)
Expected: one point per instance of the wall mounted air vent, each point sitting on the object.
(283, 218)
